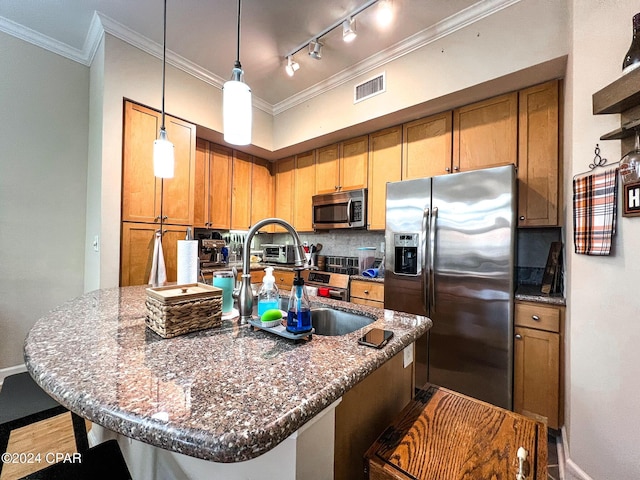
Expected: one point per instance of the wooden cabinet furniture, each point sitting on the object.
(303, 191)
(366, 410)
(367, 293)
(538, 362)
(284, 185)
(262, 195)
(256, 276)
(284, 279)
(342, 166)
(137, 251)
(385, 165)
(426, 146)
(328, 169)
(539, 173)
(241, 191)
(144, 197)
(443, 434)
(485, 134)
(212, 204)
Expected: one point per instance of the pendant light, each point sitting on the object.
(236, 103)
(163, 151)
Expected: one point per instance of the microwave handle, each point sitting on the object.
(349, 211)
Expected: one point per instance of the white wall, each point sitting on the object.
(527, 33)
(603, 328)
(43, 168)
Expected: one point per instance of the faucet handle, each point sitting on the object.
(236, 284)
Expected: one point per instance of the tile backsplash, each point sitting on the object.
(342, 243)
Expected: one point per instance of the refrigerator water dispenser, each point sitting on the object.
(406, 253)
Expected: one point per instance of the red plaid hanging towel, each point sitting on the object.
(595, 199)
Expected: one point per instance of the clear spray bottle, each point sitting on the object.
(299, 310)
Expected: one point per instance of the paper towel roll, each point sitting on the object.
(187, 261)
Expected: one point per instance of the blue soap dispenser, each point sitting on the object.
(299, 310)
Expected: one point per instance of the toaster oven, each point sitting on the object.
(273, 253)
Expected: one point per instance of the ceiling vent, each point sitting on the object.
(370, 88)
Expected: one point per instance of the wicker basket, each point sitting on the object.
(180, 309)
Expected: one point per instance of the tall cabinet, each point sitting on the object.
(147, 200)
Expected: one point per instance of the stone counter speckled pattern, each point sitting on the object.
(531, 293)
(227, 394)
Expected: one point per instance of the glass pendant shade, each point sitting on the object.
(236, 110)
(163, 156)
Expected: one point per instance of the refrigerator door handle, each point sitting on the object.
(426, 214)
(432, 256)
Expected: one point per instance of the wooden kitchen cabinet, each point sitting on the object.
(539, 173)
(443, 434)
(328, 169)
(385, 165)
(342, 166)
(485, 134)
(427, 146)
(285, 176)
(144, 197)
(304, 182)
(136, 255)
(262, 196)
(212, 204)
(366, 410)
(367, 293)
(284, 279)
(538, 362)
(241, 191)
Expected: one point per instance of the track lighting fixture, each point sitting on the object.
(315, 49)
(384, 13)
(349, 30)
(236, 103)
(292, 66)
(163, 151)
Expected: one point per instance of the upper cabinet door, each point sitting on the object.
(178, 192)
(140, 188)
(241, 191)
(219, 187)
(328, 169)
(262, 201)
(305, 180)
(385, 165)
(427, 145)
(485, 134)
(539, 156)
(354, 163)
(285, 175)
(141, 192)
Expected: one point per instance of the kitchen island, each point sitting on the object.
(224, 395)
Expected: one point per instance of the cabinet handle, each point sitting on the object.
(522, 218)
(456, 168)
(536, 318)
(518, 336)
(156, 219)
(522, 457)
(366, 292)
(447, 169)
(165, 218)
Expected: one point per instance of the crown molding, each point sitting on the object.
(35, 38)
(101, 24)
(445, 27)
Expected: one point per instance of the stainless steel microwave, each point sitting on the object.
(340, 210)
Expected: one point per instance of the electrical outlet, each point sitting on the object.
(408, 355)
(96, 243)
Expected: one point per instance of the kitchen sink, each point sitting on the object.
(331, 322)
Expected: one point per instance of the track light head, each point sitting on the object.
(315, 49)
(349, 30)
(292, 67)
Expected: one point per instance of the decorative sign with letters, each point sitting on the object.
(631, 200)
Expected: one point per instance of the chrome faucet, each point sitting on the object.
(244, 294)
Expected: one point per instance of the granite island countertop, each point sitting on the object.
(226, 394)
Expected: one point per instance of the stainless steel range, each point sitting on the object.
(331, 285)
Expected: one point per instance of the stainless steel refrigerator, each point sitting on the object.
(450, 255)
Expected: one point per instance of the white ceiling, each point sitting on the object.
(203, 34)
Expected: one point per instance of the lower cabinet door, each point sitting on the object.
(537, 375)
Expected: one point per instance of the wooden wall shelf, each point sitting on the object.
(618, 96)
(625, 131)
